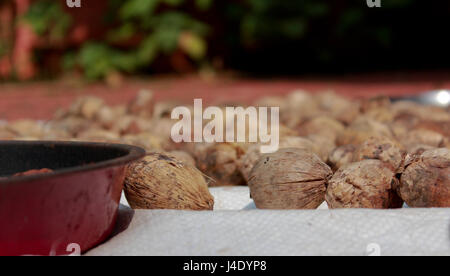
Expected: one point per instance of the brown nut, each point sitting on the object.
(146, 140)
(299, 105)
(142, 105)
(338, 107)
(182, 156)
(426, 181)
(423, 137)
(383, 149)
(86, 107)
(253, 153)
(26, 128)
(341, 156)
(98, 135)
(160, 182)
(364, 184)
(322, 125)
(220, 162)
(289, 179)
(361, 130)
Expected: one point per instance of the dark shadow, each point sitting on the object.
(124, 218)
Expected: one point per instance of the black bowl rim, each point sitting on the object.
(134, 154)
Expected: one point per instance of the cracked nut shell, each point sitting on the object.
(365, 184)
(426, 181)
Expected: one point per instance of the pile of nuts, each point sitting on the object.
(365, 153)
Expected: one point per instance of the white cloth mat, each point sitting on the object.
(236, 228)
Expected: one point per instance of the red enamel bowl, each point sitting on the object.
(74, 207)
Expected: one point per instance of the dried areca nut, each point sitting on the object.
(418, 149)
(56, 134)
(142, 105)
(106, 117)
(323, 146)
(127, 125)
(28, 128)
(361, 130)
(72, 125)
(119, 110)
(220, 162)
(338, 107)
(322, 125)
(271, 101)
(289, 179)
(183, 156)
(376, 102)
(285, 131)
(161, 182)
(146, 140)
(364, 184)
(405, 109)
(442, 127)
(253, 153)
(164, 109)
(6, 134)
(249, 159)
(384, 149)
(299, 106)
(162, 126)
(98, 135)
(426, 181)
(341, 156)
(383, 115)
(86, 107)
(424, 137)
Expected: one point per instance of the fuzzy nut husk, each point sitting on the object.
(253, 154)
(289, 179)
(159, 181)
(364, 184)
(426, 181)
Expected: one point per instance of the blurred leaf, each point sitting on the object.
(384, 36)
(193, 45)
(173, 2)
(261, 6)
(47, 16)
(95, 58)
(124, 32)
(349, 19)
(138, 8)
(316, 9)
(147, 51)
(69, 61)
(167, 38)
(203, 5)
(293, 28)
(124, 61)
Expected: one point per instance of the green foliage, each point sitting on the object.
(160, 33)
(143, 31)
(48, 18)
